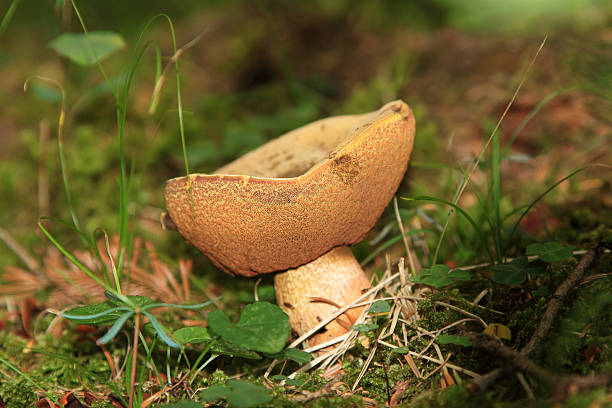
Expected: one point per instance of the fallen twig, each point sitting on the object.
(555, 302)
(519, 360)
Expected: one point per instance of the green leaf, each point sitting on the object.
(262, 327)
(112, 332)
(214, 393)
(454, 339)
(264, 293)
(550, 251)
(295, 382)
(78, 47)
(299, 356)
(512, 273)
(99, 313)
(192, 335)
(441, 275)
(177, 306)
(239, 394)
(161, 331)
(228, 349)
(515, 272)
(182, 404)
(401, 350)
(245, 395)
(380, 306)
(364, 327)
(136, 300)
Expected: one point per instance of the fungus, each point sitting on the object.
(293, 205)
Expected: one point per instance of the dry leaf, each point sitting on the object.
(498, 330)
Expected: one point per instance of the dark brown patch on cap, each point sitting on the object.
(346, 168)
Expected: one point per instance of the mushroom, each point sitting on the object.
(293, 205)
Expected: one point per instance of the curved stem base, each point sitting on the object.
(312, 292)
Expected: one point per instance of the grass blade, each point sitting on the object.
(72, 258)
(8, 16)
(534, 112)
(460, 211)
(476, 162)
(386, 245)
(496, 181)
(548, 190)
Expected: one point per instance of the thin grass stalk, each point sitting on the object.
(60, 145)
(149, 351)
(465, 180)
(98, 63)
(8, 16)
(496, 181)
(548, 190)
(194, 369)
(476, 162)
(531, 114)
(73, 259)
(121, 102)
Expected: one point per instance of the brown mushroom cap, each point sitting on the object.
(295, 198)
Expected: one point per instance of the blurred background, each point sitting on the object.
(256, 69)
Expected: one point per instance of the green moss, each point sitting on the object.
(16, 391)
(218, 377)
(584, 322)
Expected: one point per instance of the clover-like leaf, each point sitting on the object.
(214, 393)
(262, 327)
(226, 348)
(550, 251)
(182, 404)
(78, 47)
(509, 274)
(515, 272)
(364, 327)
(297, 355)
(192, 335)
(380, 306)
(439, 276)
(238, 393)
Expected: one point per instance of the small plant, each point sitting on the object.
(238, 393)
(439, 276)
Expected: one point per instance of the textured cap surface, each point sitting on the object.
(295, 198)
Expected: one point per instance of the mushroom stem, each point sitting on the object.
(312, 292)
